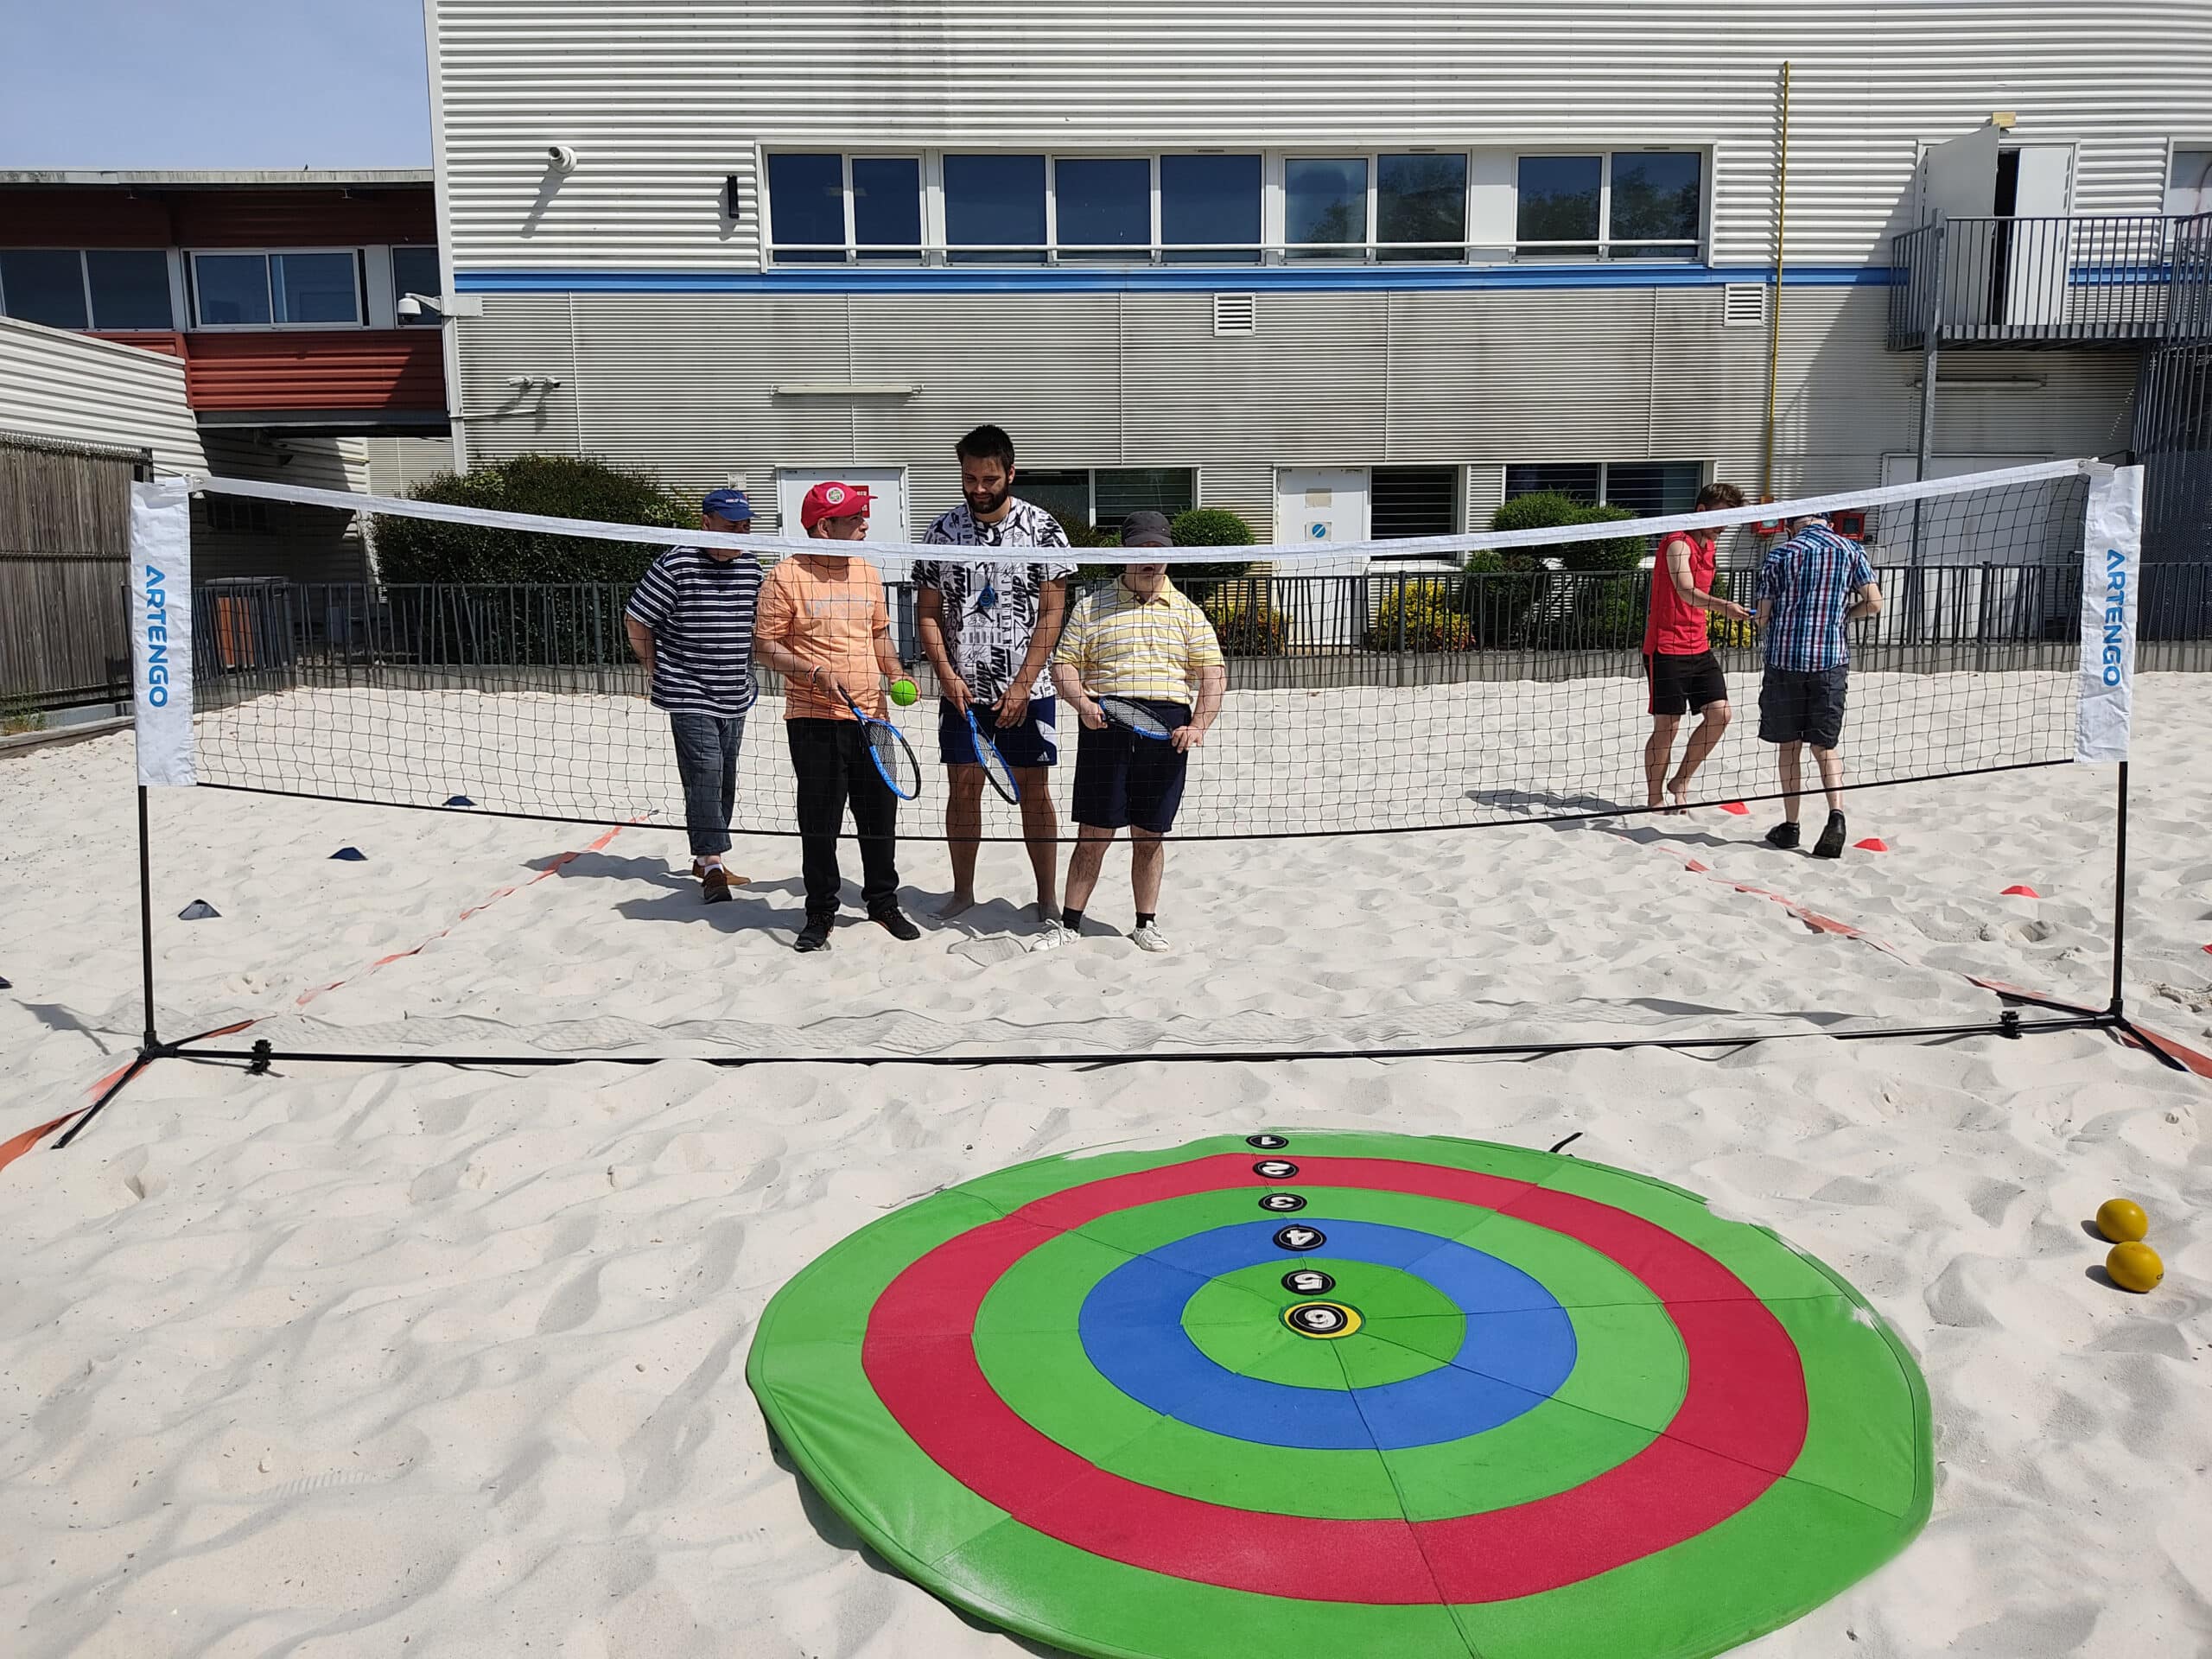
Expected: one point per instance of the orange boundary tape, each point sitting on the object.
(11, 1150)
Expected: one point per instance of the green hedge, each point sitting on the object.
(563, 486)
(1551, 510)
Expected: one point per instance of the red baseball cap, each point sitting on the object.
(832, 500)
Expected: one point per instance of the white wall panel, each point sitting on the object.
(664, 99)
(58, 384)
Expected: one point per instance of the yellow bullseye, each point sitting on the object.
(1325, 1321)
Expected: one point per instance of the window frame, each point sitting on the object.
(2176, 148)
(399, 289)
(360, 324)
(936, 251)
(92, 324)
(1604, 477)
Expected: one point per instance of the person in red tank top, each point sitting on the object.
(1681, 672)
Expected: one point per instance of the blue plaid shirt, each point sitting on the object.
(1811, 578)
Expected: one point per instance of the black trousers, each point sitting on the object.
(834, 773)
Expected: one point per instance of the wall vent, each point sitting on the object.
(1236, 313)
(1743, 305)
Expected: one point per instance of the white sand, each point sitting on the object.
(362, 1359)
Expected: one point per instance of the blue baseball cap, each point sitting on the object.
(727, 504)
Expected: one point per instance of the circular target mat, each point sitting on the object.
(1355, 1394)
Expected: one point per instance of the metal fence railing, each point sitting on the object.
(2075, 280)
(1390, 629)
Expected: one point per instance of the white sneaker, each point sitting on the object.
(1150, 937)
(1055, 935)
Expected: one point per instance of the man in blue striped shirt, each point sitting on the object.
(690, 623)
(1810, 587)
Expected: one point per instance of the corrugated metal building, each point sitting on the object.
(1340, 268)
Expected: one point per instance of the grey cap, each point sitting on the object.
(1145, 530)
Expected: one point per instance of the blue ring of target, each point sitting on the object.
(1518, 1348)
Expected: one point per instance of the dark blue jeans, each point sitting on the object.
(706, 759)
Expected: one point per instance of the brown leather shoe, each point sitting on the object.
(714, 885)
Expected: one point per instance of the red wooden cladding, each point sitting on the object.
(365, 369)
(113, 216)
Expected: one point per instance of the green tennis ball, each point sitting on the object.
(903, 692)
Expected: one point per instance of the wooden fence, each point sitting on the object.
(65, 553)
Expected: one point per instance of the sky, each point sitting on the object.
(170, 84)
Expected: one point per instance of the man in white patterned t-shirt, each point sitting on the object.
(988, 630)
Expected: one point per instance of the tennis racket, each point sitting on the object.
(994, 763)
(1134, 717)
(895, 759)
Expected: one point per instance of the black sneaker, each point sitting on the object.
(893, 922)
(1784, 835)
(713, 886)
(1830, 845)
(815, 935)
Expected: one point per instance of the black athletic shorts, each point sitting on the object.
(1795, 707)
(1681, 685)
(1122, 779)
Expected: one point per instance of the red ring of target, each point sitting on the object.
(1740, 1426)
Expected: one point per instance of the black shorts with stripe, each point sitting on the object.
(1681, 685)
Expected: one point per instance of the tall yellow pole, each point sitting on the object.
(1774, 320)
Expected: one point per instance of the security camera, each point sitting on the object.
(410, 306)
(562, 158)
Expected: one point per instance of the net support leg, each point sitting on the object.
(150, 1048)
(2116, 1012)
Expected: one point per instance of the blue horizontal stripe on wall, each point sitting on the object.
(847, 279)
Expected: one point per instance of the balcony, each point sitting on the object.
(2079, 281)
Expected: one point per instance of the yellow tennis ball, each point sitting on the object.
(903, 692)
(2135, 1267)
(2122, 1220)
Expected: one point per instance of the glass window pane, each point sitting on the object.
(1211, 199)
(806, 204)
(1408, 501)
(1124, 490)
(415, 270)
(130, 288)
(995, 201)
(1648, 488)
(43, 285)
(1656, 198)
(231, 288)
(2188, 185)
(1064, 493)
(887, 207)
(316, 287)
(1577, 479)
(1559, 204)
(1102, 205)
(1421, 198)
(1325, 201)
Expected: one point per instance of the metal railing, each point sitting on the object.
(1280, 633)
(2075, 280)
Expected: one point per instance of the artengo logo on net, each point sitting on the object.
(157, 638)
(2115, 614)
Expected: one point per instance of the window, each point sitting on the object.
(1208, 209)
(2189, 182)
(231, 515)
(887, 207)
(1647, 488)
(1079, 496)
(995, 205)
(415, 270)
(1408, 501)
(806, 208)
(1418, 199)
(1325, 203)
(130, 289)
(44, 285)
(1628, 205)
(305, 288)
(1104, 208)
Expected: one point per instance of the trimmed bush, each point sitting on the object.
(564, 487)
(1551, 510)
(1211, 527)
(1245, 623)
(1432, 619)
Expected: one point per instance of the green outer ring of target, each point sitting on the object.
(1856, 1494)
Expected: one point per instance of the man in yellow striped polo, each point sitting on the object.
(1150, 655)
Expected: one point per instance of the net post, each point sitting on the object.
(2117, 1011)
(152, 1041)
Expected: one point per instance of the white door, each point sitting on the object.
(1316, 506)
(1958, 181)
(1964, 529)
(886, 518)
(2037, 250)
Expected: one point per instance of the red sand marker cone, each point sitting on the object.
(1872, 844)
(1736, 807)
(2025, 893)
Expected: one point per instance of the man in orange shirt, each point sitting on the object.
(825, 627)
